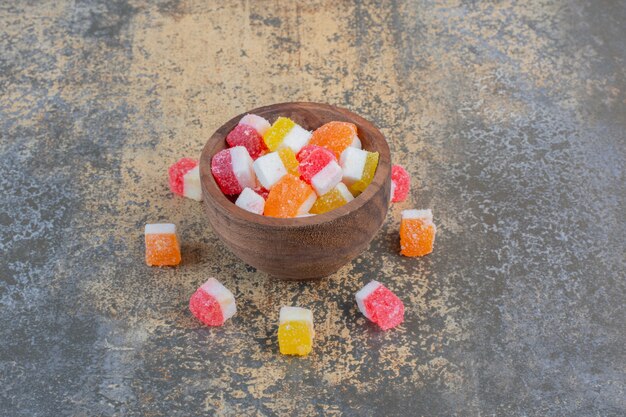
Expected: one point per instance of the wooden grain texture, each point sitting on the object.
(307, 247)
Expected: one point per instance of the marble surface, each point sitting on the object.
(510, 117)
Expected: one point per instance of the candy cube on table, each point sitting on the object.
(380, 305)
(232, 170)
(400, 183)
(417, 232)
(258, 123)
(184, 178)
(321, 170)
(212, 303)
(289, 197)
(250, 201)
(269, 169)
(336, 137)
(249, 138)
(335, 198)
(358, 167)
(162, 247)
(295, 331)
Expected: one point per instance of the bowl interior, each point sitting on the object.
(310, 116)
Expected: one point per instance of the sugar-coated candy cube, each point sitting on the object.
(380, 305)
(212, 303)
(242, 167)
(321, 170)
(335, 198)
(289, 160)
(295, 331)
(400, 183)
(334, 136)
(358, 167)
(289, 197)
(417, 232)
(306, 151)
(352, 162)
(177, 171)
(191, 184)
(232, 170)
(162, 247)
(327, 178)
(258, 123)
(249, 138)
(356, 143)
(250, 201)
(184, 178)
(269, 169)
(262, 191)
(274, 136)
(222, 170)
(313, 160)
(295, 139)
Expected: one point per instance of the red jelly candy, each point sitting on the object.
(248, 137)
(222, 170)
(262, 192)
(401, 183)
(206, 308)
(314, 162)
(178, 171)
(306, 151)
(385, 308)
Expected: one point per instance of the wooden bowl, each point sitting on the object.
(305, 247)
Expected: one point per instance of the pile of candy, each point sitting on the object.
(283, 170)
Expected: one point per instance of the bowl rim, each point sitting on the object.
(208, 182)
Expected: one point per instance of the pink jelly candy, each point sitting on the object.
(178, 171)
(380, 305)
(321, 170)
(306, 151)
(400, 183)
(248, 137)
(232, 170)
(315, 160)
(258, 123)
(262, 192)
(212, 303)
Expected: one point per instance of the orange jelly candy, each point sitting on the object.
(417, 232)
(162, 247)
(334, 136)
(289, 197)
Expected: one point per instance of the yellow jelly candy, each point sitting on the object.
(275, 134)
(294, 338)
(295, 332)
(333, 199)
(289, 161)
(368, 174)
